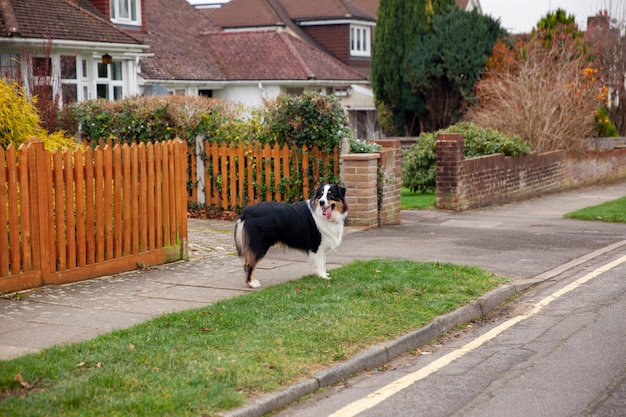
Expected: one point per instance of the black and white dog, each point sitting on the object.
(314, 226)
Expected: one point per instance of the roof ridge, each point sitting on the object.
(285, 37)
(8, 15)
(288, 21)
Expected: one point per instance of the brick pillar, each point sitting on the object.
(391, 182)
(360, 177)
(449, 150)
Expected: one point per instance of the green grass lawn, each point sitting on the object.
(201, 361)
(611, 211)
(410, 200)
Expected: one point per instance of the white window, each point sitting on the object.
(360, 40)
(126, 12)
(109, 81)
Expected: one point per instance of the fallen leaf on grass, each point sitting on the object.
(80, 364)
(18, 378)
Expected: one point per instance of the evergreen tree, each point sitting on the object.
(445, 65)
(399, 26)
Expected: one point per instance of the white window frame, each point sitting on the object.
(131, 6)
(112, 84)
(360, 40)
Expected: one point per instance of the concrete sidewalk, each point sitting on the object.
(526, 241)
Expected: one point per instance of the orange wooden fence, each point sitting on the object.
(88, 212)
(236, 175)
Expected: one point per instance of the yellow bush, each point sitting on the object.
(19, 120)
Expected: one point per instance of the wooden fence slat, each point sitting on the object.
(276, 155)
(241, 176)
(41, 189)
(158, 193)
(166, 195)
(79, 175)
(4, 218)
(59, 212)
(249, 164)
(267, 160)
(90, 207)
(286, 170)
(134, 198)
(143, 197)
(150, 209)
(25, 227)
(118, 193)
(215, 168)
(70, 219)
(99, 201)
(232, 176)
(305, 171)
(193, 170)
(224, 171)
(127, 197)
(171, 178)
(108, 202)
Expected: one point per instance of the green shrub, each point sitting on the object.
(363, 146)
(419, 162)
(308, 119)
(606, 128)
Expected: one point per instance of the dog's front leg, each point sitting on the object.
(318, 262)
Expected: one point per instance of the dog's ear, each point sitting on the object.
(342, 190)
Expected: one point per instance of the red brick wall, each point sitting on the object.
(373, 182)
(464, 184)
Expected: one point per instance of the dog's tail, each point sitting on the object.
(240, 237)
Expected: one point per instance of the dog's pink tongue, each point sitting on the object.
(328, 212)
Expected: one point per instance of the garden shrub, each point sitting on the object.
(19, 120)
(419, 161)
(309, 119)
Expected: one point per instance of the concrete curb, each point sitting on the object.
(380, 354)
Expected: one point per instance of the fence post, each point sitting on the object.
(40, 171)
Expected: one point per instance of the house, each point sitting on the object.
(239, 50)
(68, 50)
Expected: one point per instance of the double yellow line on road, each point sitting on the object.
(398, 385)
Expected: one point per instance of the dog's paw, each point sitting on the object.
(323, 275)
(254, 284)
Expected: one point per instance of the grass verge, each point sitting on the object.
(611, 211)
(201, 361)
(416, 200)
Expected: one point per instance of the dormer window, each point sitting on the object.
(126, 12)
(360, 40)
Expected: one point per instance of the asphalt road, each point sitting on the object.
(559, 350)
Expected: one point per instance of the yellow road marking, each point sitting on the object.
(398, 385)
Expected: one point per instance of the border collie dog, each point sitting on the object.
(314, 226)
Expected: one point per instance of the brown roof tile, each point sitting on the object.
(324, 9)
(273, 55)
(58, 19)
(244, 13)
(175, 34)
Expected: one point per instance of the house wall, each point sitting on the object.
(249, 95)
(464, 184)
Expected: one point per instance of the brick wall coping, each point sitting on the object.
(360, 156)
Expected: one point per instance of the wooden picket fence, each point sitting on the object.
(83, 213)
(232, 176)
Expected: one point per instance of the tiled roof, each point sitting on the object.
(175, 35)
(275, 55)
(244, 13)
(58, 20)
(258, 13)
(324, 9)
